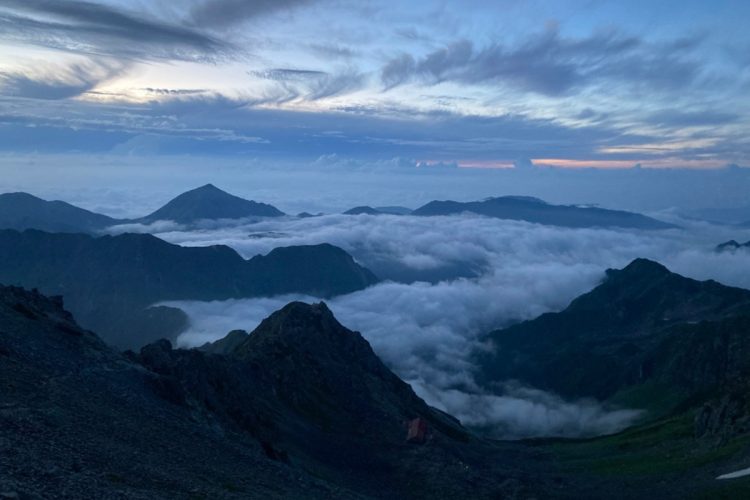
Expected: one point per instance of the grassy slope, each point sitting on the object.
(661, 458)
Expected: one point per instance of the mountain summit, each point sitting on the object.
(210, 202)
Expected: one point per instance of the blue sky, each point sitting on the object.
(471, 83)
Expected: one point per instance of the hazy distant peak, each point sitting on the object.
(210, 202)
(20, 195)
(641, 266)
(21, 211)
(534, 210)
(529, 199)
(732, 245)
(362, 209)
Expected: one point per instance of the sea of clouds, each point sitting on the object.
(449, 281)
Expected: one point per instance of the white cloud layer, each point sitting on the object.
(427, 331)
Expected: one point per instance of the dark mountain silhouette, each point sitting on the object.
(395, 210)
(732, 245)
(332, 389)
(109, 282)
(646, 337)
(302, 409)
(537, 211)
(227, 344)
(23, 211)
(363, 210)
(209, 202)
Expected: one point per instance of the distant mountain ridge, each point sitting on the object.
(363, 210)
(732, 245)
(534, 210)
(21, 211)
(368, 210)
(109, 281)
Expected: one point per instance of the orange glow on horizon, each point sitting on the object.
(566, 163)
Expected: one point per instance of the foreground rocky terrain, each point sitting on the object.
(303, 408)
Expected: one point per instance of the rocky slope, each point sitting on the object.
(301, 409)
(647, 336)
(109, 282)
(537, 211)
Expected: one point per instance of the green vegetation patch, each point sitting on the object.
(659, 448)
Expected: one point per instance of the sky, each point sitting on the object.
(471, 83)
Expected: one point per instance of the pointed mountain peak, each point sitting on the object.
(210, 202)
(208, 188)
(306, 335)
(639, 270)
(643, 266)
(331, 374)
(205, 190)
(299, 324)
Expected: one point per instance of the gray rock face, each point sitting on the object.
(724, 418)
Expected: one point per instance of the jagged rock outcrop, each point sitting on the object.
(725, 417)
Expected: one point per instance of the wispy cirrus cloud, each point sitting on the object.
(550, 64)
(224, 13)
(60, 82)
(310, 85)
(88, 27)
